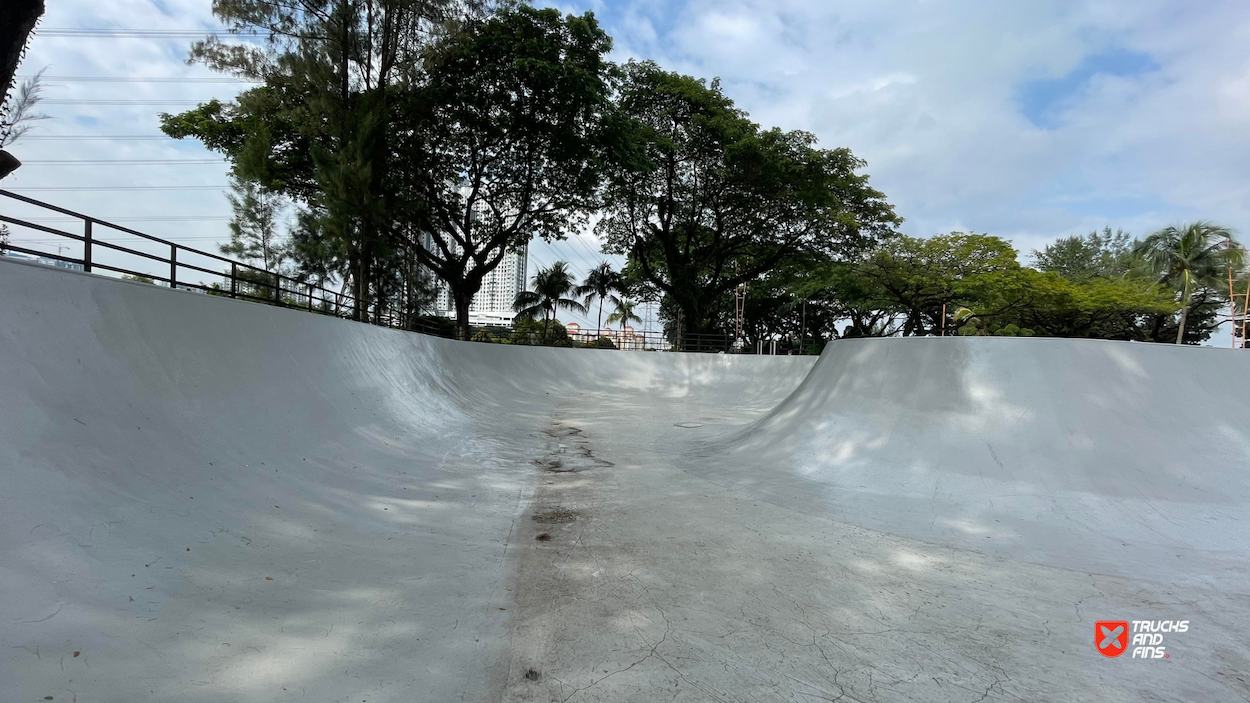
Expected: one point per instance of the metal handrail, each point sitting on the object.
(319, 299)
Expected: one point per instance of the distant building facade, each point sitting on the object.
(626, 338)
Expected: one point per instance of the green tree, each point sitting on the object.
(503, 134)
(916, 278)
(904, 286)
(17, 114)
(601, 284)
(701, 199)
(534, 333)
(1191, 257)
(255, 233)
(624, 313)
(319, 128)
(1025, 302)
(551, 288)
(1103, 254)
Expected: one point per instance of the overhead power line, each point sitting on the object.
(120, 240)
(57, 101)
(105, 162)
(110, 188)
(138, 79)
(144, 33)
(151, 218)
(97, 137)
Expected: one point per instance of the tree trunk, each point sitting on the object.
(362, 290)
(543, 341)
(599, 324)
(462, 301)
(1180, 331)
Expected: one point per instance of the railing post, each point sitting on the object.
(234, 280)
(86, 246)
(173, 266)
(277, 289)
(310, 305)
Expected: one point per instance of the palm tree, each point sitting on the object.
(550, 285)
(1191, 256)
(624, 313)
(600, 284)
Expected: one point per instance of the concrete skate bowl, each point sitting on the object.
(209, 500)
(1111, 457)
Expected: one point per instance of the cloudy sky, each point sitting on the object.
(1028, 120)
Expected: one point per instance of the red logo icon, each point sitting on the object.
(1111, 637)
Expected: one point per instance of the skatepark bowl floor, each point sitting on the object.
(209, 500)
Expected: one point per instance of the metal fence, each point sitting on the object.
(101, 246)
(96, 245)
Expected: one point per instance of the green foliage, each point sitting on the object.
(903, 287)
(1096, 255)
(1191, 258)
(601, 285)
(18, 112)
(493, 334)
(540, 333)
(318, 128)
(138, 279)
(502, 136)
(914, 278)
(624, 313)
(486, 137)
(255, 234)
(701, 199)
(550, 287)
(1029, 302)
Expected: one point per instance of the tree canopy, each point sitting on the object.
(503, 139)
(550, 291)
(415, 135)
(702, 199)
(1191, 257)
(1097, 286)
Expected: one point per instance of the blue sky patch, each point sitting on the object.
(1041, 100)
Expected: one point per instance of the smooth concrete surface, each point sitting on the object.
(1130, 459)
(210, 500)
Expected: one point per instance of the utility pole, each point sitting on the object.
(740, 305)
(1245, 313)
(803, 329)
(1232, 301)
